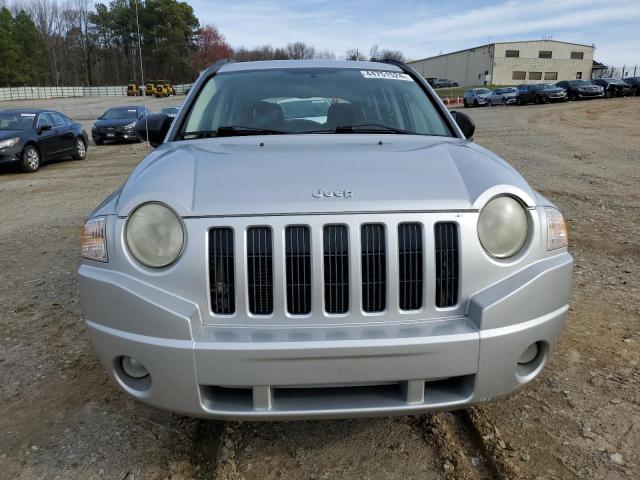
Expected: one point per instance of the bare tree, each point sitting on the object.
(300, 51)
(355, 54)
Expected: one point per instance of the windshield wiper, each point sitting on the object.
(230, 131)
(371, 128)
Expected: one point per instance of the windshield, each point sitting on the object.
(169, 110)
(579, 83)
(548, 86)
(481, 91)
(120, 114)
(313, 100)
(16, 120)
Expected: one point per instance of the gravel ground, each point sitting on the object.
(60, 417)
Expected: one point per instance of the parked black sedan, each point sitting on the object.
(540, 93)
(613, 87)
(579, 89)
(634, 83)
(118, 123)
(30, 137)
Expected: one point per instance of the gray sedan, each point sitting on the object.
(503, 96)
(476, 97)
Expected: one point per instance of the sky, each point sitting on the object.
(425, 28)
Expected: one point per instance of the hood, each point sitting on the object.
(5, 134)
(120, 122)
(258, 175)
(554, 90)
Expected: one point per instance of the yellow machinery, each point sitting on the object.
(150, 88)
(133, 89)
(160, 90)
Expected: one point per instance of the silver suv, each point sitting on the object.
(321, 239)
(476, 97)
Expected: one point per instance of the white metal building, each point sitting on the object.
(511, 63)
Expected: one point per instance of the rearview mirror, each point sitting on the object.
(153, 128)
(465, 123)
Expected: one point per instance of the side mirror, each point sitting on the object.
(465, 123)
(43, 128)
(156, 125)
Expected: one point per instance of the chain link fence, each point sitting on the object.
(34, 93)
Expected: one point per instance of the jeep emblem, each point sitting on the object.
(335, 194)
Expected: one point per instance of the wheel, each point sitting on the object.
(573, 96)
(464, 102)
(489, 103)
(537, 100)
(475, 102)
(504, 102)
(80, 150)
(520, 101)
(30, 159)
(608, 94)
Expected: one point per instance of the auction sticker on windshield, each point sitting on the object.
(385, 75)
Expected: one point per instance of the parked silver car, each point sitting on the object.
(476, 97)
(503, 96)
(380, 262)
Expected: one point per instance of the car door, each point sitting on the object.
(64, 137)
(496, 97)
(46, 135)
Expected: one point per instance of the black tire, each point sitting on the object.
(504, 102)
(475, 102)
(464, 102)
(573, 96)
(608, 93)
(30, 161)
(520, 102)
(80, 150)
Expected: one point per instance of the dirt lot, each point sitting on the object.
(60, 417)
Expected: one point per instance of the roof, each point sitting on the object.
(498, 43)
(35, 111)
(273, 64)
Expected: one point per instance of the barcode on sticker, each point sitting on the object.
(385, 75)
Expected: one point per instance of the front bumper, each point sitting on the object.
(115, 134)
(284, 372)
(591, 94)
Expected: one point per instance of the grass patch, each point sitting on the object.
(459, 91)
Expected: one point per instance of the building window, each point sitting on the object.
(577, 55)
(535, 75)
(544, 54)
(512, 53)
(517, 75)
(479, 76)
(578, 75)
(551, 75)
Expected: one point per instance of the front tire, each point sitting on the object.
(30, 159)
(80, 151)
(608, 94)
(573, 96)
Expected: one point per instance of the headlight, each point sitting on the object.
(130, 125)
(94, 239)
(10, 142)
(155, 235)
(557, 234)
(503, 227)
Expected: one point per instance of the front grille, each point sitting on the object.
(260, 270)
(276, 269)
(410, 270)
(374, 267)
(446, 250)
(221, 271)
(298, 269)
(336, 268)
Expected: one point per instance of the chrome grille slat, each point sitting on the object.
(336, 268)
(374, 260)
(221, 271)
(260, 270)
(298, 269)
(446, 252)
(411, 271)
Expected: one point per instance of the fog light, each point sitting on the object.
(530, 354)
(133, 367)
